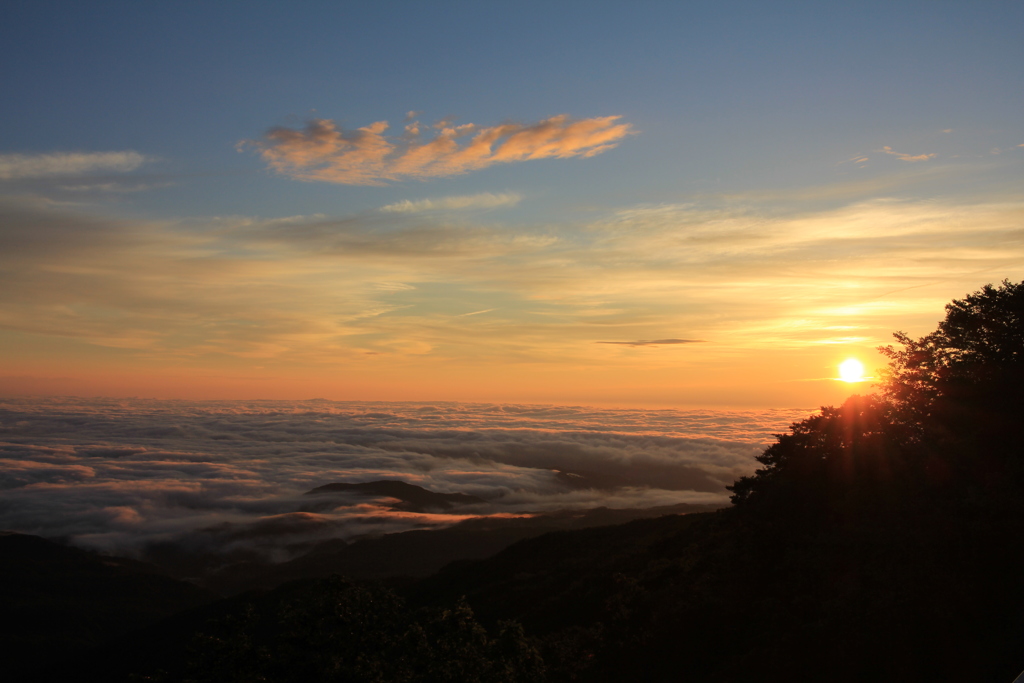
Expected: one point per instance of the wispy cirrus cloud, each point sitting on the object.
(908, 157)
(327, 290)
(26, 166)
(404, 295)
(653, 342)
(484, 200)
(322, 151)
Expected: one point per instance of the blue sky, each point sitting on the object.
(747, 124)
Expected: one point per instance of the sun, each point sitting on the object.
(851, 370)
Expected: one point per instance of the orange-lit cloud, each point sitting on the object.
(322, 151)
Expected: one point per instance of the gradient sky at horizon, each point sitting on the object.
(650, 203)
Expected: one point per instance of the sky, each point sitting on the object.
(598, 203)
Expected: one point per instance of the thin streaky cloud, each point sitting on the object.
(326, 290)
(484, 200)
(111, 187)
(902, 156)
(322, 151)
(653, 342)
(21, 166)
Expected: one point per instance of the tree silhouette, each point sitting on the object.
(846, 457)
(945, 425)
(961, 388)
(977, 353)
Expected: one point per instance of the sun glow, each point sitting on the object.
(851, 370)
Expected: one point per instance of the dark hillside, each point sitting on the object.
(317, 630)
(418, 553)
(558, 580)
(58, 601)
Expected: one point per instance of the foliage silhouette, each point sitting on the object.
(347, 632)
(943, 430)
(977, 349)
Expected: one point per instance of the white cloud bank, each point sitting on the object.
(119, 475)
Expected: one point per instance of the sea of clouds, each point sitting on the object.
(122, 475)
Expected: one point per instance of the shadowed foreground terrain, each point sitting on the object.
(59, 602)
(881, 540)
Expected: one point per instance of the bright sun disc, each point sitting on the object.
(851, 370)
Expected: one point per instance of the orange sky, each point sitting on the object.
(654, 305)
(701, 207)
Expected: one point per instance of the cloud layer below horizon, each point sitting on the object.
(122, 475)
(323, 151)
